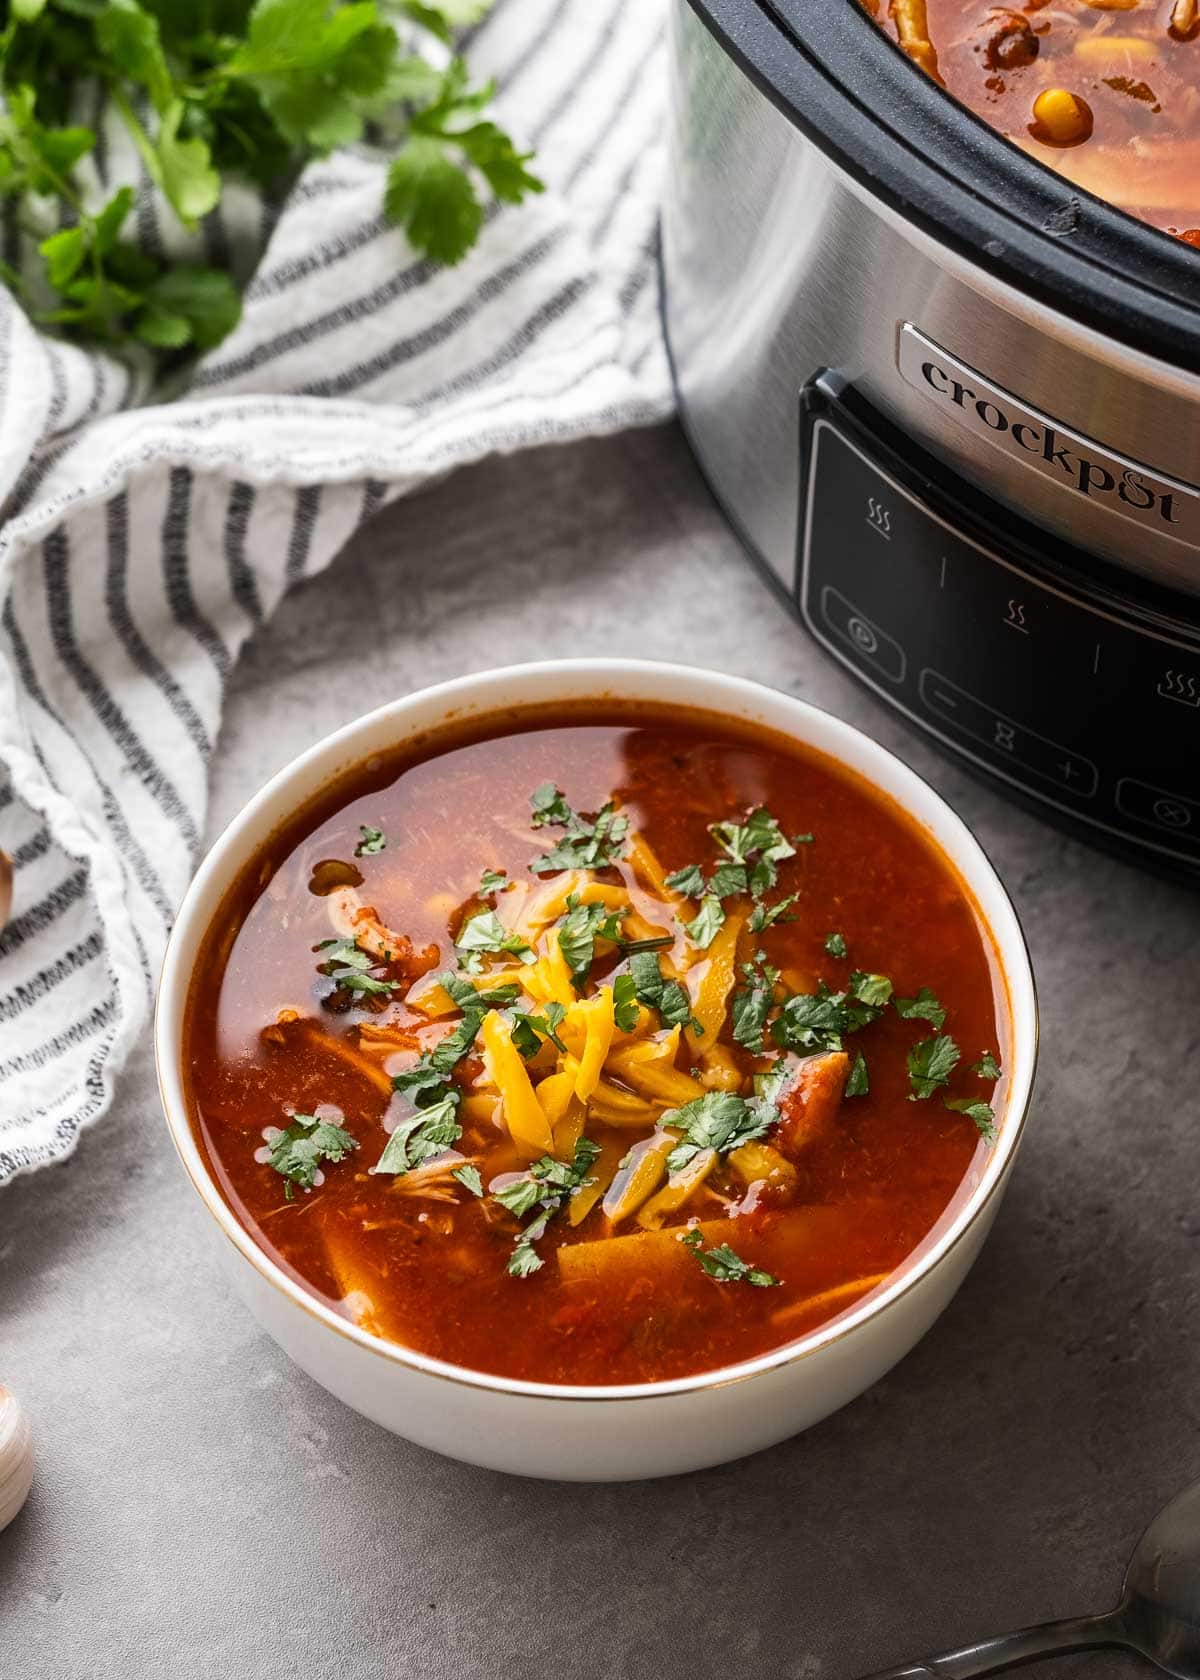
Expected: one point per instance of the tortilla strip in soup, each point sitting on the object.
(602, 1045)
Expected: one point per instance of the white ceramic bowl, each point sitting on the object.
(636, 1430)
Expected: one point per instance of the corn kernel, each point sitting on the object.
(1061, 118)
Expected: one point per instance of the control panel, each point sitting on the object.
(1031, 660)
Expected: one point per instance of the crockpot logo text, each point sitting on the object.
(1090, 478)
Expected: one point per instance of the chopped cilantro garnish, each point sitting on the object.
(728, 880)
(528, 1031)
(724, 1265)
(717, 1120)
(858, 1083)
(587, 844)
(980, 1112)
(871, 989)
(421, 1136)
(549, 806)
(689, 881)
(525, 1259)
(923, 1007)
(625, 1003)
(759, 838)
(811, 1021)
(669, 997)
(579, 931)
(352, 969)
(751, 1006)
(818, 1020)
(486, 932)
(930, 1064)
(301, 1147)
(987, 1067)
(552, 1184)
(492, 880)
(426, 1080)
(703, 929)
(469, 1176)
(835, 944)
(766, 915)
(373, 840)
(467, 996)
(520, 1197)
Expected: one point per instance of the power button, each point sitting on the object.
(873, 646)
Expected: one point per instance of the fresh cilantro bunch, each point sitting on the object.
(247, 88)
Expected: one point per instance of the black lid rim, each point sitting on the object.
(986, 200)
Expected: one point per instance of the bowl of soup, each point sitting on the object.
(597, 1069)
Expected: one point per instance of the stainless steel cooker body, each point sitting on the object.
(777, 263)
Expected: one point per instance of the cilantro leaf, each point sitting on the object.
(703, 929)
(978, 1111)
(549, 806)
(930, 1064)
(486, 932)
(727, 880)
(724, 1265)
(689, 881)
(750, 1007)
(625, 1003)
(301, 1147)
(432, 199)
(717, 1120)
(587, 844)
(525, 1259)
(871, 989)
(492, 880)
(430, 192)
(760, 838)
(528, 1031)
(858, 1083)
(924, 1007)
(520, 1196)
(469, 1176)
(467, 996)
(669, 997)
(424, 1134)
(551, 1184)
(351, 969)
(812, 1021)
(427, 1080)
(766, 915)
(987, 1067)
(373, 840)
(835, 944)
(578, 933)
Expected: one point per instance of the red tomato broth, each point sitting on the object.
(876, 1190)
(1134, 65)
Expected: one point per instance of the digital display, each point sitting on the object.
(1092, 711)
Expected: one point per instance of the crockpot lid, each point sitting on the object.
(846, 85)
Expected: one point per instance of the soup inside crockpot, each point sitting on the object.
(604, 1045)
(1106, 92)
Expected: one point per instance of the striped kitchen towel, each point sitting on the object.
(144, 540)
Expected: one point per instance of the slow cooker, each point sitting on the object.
(952, 404)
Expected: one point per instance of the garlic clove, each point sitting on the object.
(16, 1456)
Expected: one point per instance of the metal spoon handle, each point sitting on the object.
(1048, 1639)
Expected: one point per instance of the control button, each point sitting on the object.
(863, 636)
(1159, 807)
(1030, 754)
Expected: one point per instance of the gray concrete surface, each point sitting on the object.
(202, 1509)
